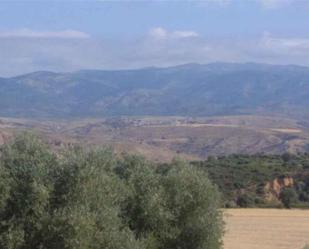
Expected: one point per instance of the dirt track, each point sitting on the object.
(266, 229)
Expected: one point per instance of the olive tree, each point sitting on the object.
(92, 199)
(26, 186)
(178, 209)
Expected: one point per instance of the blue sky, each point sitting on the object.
(72, 35)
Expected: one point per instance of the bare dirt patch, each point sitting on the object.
(287, 130)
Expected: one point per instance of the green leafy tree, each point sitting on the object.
(26, 186)
(90, 199)
(178, 209)
(144, 209)
(87, 197)
(288, 196)
(245, 200)
(195, 220)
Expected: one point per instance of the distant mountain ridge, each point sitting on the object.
(185, 90)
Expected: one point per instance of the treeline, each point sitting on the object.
(90, 199)
(242, 179)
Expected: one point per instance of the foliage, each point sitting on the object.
(192, 201)
(245, 200)
(288, 196)
(242, 178)
(82, 199)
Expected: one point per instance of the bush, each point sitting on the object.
(245, 201)
(230, 204)
(288, 196)
(90, 199)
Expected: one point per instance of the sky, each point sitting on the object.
(67, 35)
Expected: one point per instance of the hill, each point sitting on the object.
(260, 180)
(187, 90)
(163, 138)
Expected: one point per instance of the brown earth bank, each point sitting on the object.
(266, 229)
(274, 188)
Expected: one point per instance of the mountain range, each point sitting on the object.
(185, 90)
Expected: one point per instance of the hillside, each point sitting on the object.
(187, 90)
(163, 138)
(260, 180)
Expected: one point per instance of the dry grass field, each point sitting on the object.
(266, 229)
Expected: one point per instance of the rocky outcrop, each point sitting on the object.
(3, 137)
(273, 188)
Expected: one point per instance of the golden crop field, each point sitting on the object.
(266, 229)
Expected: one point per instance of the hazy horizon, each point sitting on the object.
(156, 67)
(66, 36)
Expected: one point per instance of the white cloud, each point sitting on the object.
(158, 33)
(283, 44)
(221, 2)
(161, 33)
(267, 4)
(159, 48)
(271, 4)
(28, 33)
(209, 3)
(184, 34)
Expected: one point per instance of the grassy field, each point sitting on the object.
(266, 229)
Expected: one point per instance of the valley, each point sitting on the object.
(162, 138)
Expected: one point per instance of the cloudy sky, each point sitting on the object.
(67, 35)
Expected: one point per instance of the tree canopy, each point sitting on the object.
(92, 199)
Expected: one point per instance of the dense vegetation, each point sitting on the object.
(90, 199)
(243, 179)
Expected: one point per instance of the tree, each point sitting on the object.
(87, 197)
(192, 201)
(245, 200)
(90, 199)
(25, 171)
(178, 209)
(286, 157)
(144, 210)
(288, 196)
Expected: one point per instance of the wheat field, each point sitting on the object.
(266, 229)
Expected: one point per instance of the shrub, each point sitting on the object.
(288, 196)
(231, 204)
(245, 200)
